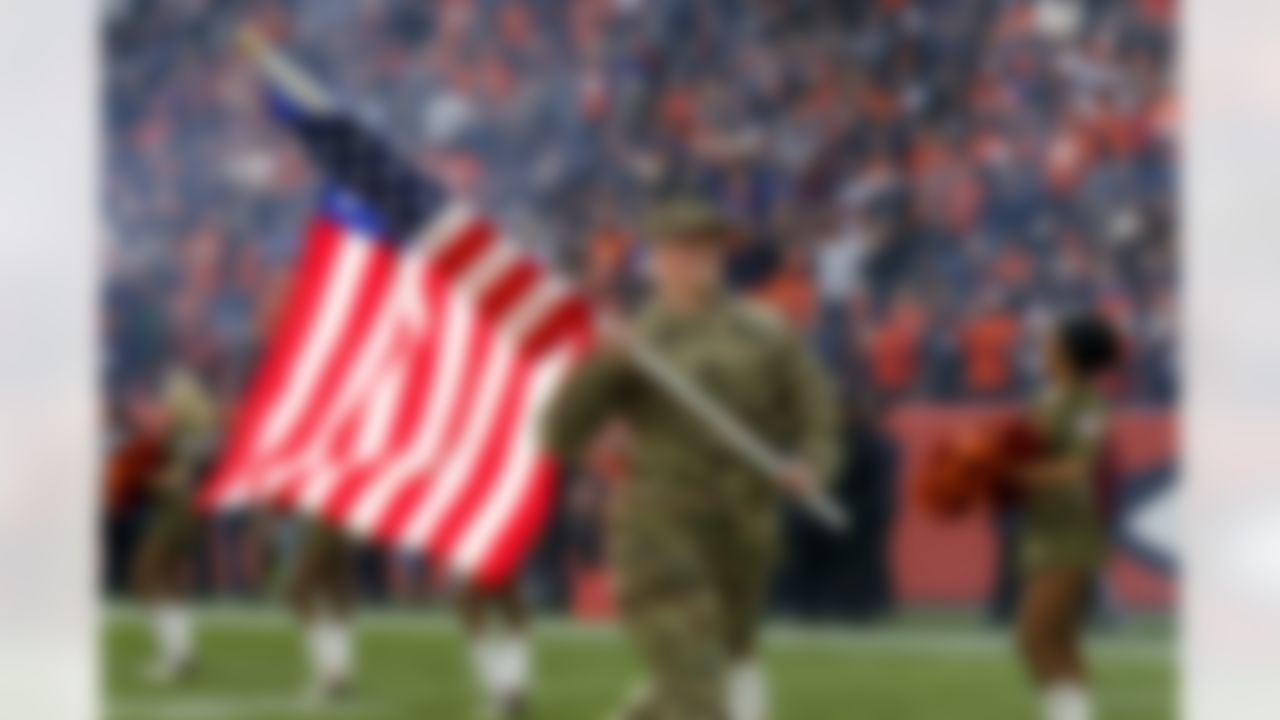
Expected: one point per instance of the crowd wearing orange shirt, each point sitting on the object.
(922, 185)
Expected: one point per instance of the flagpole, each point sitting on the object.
(728, 428)
(300, 87)
(309, 95)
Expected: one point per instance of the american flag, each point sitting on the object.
(399, 397)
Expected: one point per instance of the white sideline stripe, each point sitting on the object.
(853, 640)
(215, 707)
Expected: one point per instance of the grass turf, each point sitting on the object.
(414, 667)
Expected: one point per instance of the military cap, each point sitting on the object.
(689, 221)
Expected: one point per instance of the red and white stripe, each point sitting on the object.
(400, 397)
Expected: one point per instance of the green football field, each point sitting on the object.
(413, 666)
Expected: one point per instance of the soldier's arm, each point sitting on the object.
(815, 410)
(595, 391)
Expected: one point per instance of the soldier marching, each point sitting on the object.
(694, 533)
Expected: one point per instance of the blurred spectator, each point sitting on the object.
(988, 340)
(893, 347)
(868, 149)
(791, 292)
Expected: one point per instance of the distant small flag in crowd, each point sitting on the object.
(400, 394)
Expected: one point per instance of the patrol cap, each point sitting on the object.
(689, 220)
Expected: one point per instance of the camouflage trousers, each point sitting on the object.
(691, 601)
(162, 566)
(323, 579)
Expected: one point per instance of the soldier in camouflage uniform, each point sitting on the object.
(1064, 540)
(694, 532)
(188, 422)
(322, 593)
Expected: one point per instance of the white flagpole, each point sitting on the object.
(311, 96)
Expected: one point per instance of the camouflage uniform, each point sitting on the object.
(1064, 527)
(171, 528)
(694, 533)
(323, 575)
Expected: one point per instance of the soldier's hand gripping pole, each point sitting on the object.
(724, 425)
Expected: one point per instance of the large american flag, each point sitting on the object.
(400, 394)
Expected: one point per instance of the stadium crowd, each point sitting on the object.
(921, 185)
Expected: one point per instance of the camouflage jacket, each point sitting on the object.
(748, 360)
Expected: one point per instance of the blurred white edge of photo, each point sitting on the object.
(1229, 516)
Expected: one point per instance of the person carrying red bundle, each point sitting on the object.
(1051, 462)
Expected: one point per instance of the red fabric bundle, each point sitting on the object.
(973, 468)
(131, 469)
